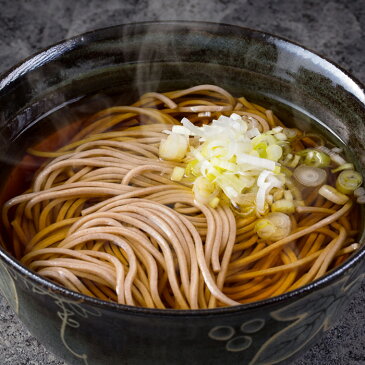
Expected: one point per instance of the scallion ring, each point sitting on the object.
(310, 176)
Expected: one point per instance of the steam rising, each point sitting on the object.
(55, 22)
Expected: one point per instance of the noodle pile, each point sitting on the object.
(103, 217)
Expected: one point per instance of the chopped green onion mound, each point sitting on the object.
(259, 173)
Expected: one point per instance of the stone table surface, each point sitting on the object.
(335, 29)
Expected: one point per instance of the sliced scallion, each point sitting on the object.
(333, 195)
(348, 181)
(310, 176)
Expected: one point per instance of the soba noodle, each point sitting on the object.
(103, 217)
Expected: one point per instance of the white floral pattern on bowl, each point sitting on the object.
(306, 318)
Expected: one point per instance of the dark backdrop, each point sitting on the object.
(335, 29)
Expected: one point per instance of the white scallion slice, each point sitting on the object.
(333, 195)
(283, 206)
(177, 173)
(281, 136)
(274, 226)
(348, 181)
(259, 162)
(290, 132)
(214, 202)
(274, 152)
(180, 129)
(174, 147)
(288, 195)
(294, 162)
(253, 132)
(335, 157)
(235, 116)
(277, 129)
(265, 229)
(310, 176)
(204, 190)
(196, 131)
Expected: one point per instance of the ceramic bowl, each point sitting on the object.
(163, 56)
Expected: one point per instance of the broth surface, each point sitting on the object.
(104, 218)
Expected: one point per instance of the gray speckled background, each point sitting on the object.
(335, 29)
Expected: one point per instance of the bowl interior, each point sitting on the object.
(130, 60)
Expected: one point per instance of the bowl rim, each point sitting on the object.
(30, 63)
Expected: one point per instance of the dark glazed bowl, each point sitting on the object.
(162, 56)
